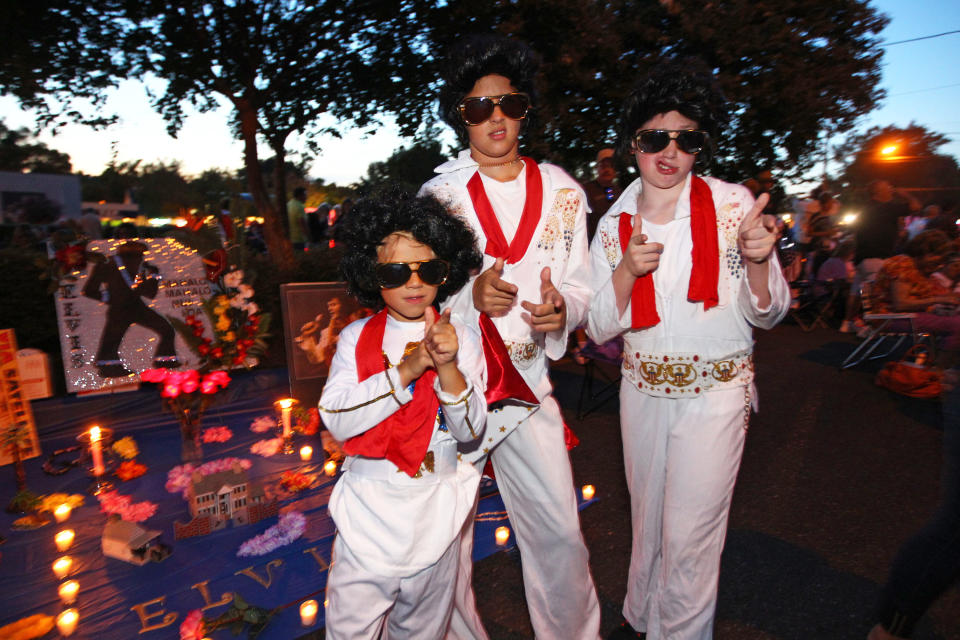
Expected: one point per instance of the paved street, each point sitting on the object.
(836, 474)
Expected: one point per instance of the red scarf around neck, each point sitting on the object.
(497, 245)
(404, 437)
(705, 273)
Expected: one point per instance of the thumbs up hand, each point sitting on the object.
(641, 257)
(551, 313)
(491, 293)
(758, 232)
(440, 338)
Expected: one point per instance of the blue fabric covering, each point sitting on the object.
(110, 589)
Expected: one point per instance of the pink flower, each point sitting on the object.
(267, 448)
(263, 424)
(154, 375)
(170, 390)
(217, 434)
(192, 626)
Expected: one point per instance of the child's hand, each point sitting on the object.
(641, 257)
(491, 294)
(440, 338)
(551, 313)
(758, 233)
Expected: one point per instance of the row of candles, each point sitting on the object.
(68, 618)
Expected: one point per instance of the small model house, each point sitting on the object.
(223, 496)
(131, 543)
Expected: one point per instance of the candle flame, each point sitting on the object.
(94, 433)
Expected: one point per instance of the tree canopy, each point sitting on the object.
(905, 157)
(20, 151)
(792, 70)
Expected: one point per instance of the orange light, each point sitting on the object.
(889, 150)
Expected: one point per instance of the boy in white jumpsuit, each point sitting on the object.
(405, 388)
(682, 266)
(533, 290)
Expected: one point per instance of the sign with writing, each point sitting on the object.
(114, 312)
(15, 412)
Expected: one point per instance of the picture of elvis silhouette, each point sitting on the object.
(121, 281)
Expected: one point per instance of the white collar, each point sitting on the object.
(627, 202)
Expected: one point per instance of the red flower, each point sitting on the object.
(191, 381)
(203, 348)
(213, 381)
(154, 375)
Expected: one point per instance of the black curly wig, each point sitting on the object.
(388, 211)
(479, 56)
(684, 85)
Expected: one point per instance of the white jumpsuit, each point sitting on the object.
(684, 408)
(394, 561)
(527, 447)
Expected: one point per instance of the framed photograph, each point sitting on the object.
(314, 314)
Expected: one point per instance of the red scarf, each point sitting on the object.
(404, 437)
(705, 273)
(503, 380)
(496, 242)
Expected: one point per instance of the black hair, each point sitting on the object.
(391, 210)
(683, 85)
(932, 242)
(482, 55)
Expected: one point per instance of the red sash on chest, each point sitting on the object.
(503, 380)
(404, 437)
(705, 272)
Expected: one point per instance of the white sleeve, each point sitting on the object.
(574, 284)
(349, 407)
(466, 413)
(603, 323)
(766, 318)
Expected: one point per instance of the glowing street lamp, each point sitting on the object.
(889, 150)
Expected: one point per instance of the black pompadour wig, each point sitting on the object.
(392, 210)
(482, 55)
(685, 85)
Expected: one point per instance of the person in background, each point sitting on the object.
(916, 224)
(876, 234)
(948, 276)
(90, 224)
(602, 191)
(297, 218)
(682, 267)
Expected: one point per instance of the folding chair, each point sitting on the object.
(815, 302)
(596, 368)
(882, 328)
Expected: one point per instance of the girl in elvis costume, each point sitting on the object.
(533, 290)
(682, 267)
(405, 387)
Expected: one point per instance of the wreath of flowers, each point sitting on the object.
(54, 500)
(267, 448)
(294, 481)
(126, 448)
(290, 527)
(263, 424)
(55, 467)
(179, 478)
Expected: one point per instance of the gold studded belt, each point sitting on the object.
(680, 375)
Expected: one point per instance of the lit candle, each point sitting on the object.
(306, 452)
(285, 406)
(308, 613)
(62, 566)
(62, 512)
(64, 539)
(330, 467)
(502, 534)
(67, 622)
(96, 451)
(588, 491)
(68, 591)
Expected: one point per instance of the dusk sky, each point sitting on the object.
(921, 78)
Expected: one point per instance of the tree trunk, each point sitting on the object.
(274, 231)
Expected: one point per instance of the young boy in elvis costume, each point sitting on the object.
(683, 268)
(532, 291)
(405, 388)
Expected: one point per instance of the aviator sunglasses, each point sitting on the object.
(391, 275)
(478, 110)
(690, 141)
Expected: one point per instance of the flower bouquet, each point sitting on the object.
(188, 394)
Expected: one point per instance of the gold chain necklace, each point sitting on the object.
(499, 164)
